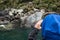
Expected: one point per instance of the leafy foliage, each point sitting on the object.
(48, 4)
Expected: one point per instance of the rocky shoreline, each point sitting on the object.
(16, 18)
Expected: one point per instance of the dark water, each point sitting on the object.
(17, 34)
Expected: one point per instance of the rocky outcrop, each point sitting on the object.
(32, 19)
(15, 18)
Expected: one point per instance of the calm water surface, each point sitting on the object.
(17, 34)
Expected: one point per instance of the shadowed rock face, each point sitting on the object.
(4, 19)
(8, 22)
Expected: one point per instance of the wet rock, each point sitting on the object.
(32, 19)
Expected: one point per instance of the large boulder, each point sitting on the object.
(32, 19)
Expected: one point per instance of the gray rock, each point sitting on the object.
(30, 20)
